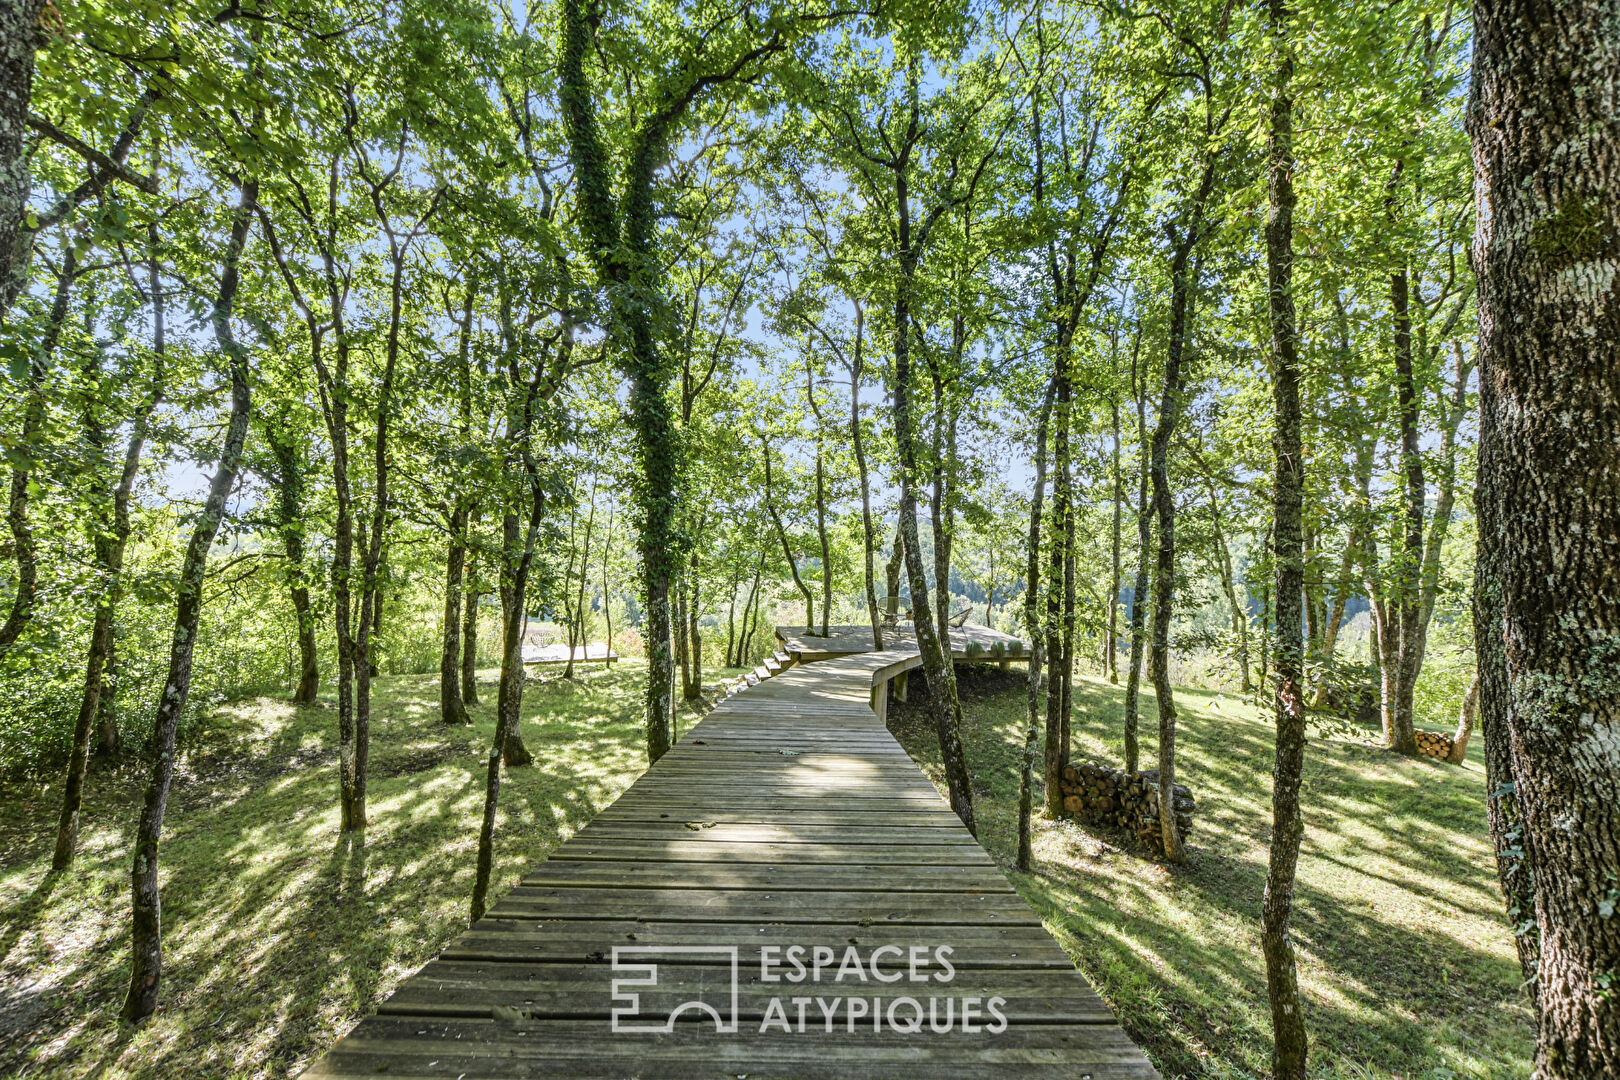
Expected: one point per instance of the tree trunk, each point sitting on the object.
(518, 552)
(1057, 613)
(1288, 488)
(1547, 594)
(891, 572)
(1032, 626)
(22, 533)
(109, 542)
(787, 549)
(146, 951)
(1465, 722)
(1407, 654)
(469, 619)
(1111, 632)
(868, 536)
(20, 37)
(1139, 588)
(290, 522)
(1164, 577)
(936, 664)
(451, 708)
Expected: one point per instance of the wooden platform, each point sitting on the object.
(789, 817)
(539, 655)
(854, 640)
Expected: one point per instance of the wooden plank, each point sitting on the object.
(582, 941)
(756, 876)
(789, 816)
(490, 1049)
(692, 848)
(463, 988)
(784, 906)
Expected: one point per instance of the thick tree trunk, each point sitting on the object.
(1288, 491)
(1032, 626)
(20, 37)
(146, 951)
(1547, 595)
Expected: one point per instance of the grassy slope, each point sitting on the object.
(1406, 962)
(279, 936)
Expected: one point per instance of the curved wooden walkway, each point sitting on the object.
(788, 817)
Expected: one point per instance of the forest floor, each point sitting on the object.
(278, 936)
(1406, 961)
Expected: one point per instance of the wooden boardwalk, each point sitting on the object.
(788, 823)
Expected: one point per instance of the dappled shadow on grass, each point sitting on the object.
(1406, 961)
(279, 932)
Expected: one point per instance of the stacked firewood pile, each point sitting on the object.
(1434, 744)
(1098, 795)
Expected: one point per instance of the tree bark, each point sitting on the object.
(20, 38)
(1032, 626)
(22, 533)
(1117, 496)
(868, 536)
(469, 618)
(1547, 592)
(1164, 576)
(1465, 722)
(109, 541)
(1139, 588)
(290, 523)
(1056, 611)
(451, 708)
(146, 951)
(1289, 1045)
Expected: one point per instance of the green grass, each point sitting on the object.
(278, 934)
(1406, 962)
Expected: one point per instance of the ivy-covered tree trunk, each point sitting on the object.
(1288, 502)
(290, 523)
(20, 37)
(1547, 593)
(146, 947)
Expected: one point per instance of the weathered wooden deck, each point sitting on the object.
(788, 817)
